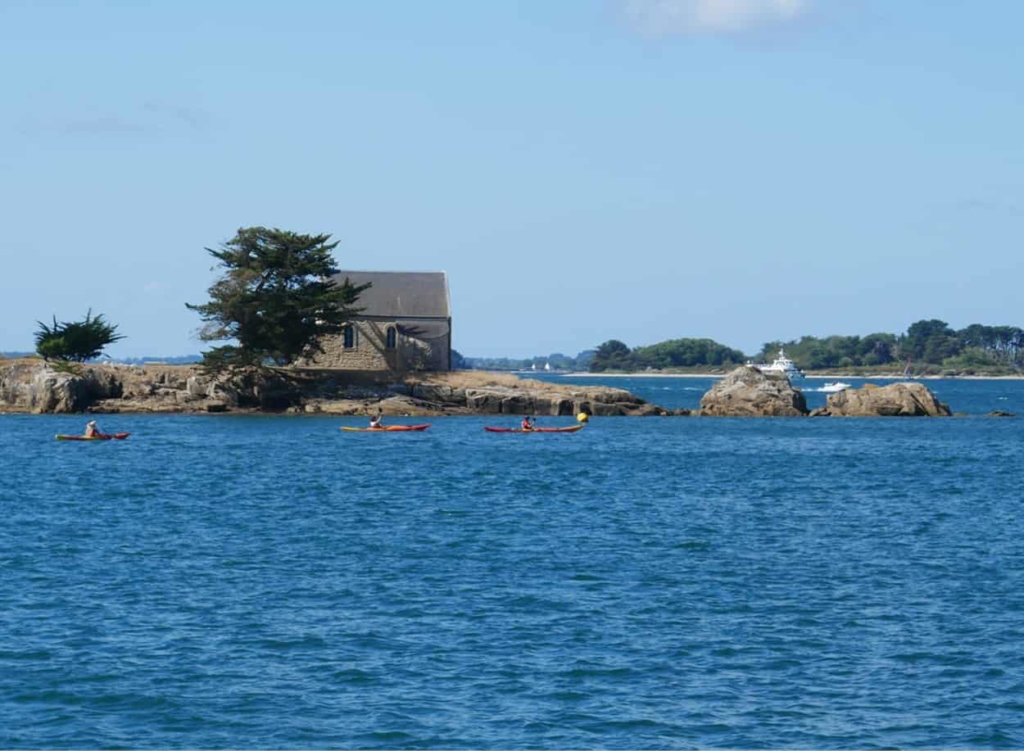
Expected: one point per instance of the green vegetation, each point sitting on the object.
(75, 341)
(275, 298)
(676, 353)
(811, 353)
(929, 347)
(556, 360)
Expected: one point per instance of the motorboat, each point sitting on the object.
(781, 365)
(834, 387)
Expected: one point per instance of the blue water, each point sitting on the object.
(272, 582)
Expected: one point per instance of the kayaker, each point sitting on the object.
(91, 431)
(527, 423)
(377, 421)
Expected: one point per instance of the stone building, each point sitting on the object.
(405, 324)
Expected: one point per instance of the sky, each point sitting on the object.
(583, 170)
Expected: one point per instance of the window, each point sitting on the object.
(392, 338)
(348, 337)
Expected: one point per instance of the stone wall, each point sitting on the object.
(369, 351)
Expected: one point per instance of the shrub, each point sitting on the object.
(76, 341)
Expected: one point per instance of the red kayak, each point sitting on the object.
(388, 429)
(97, 437)
(573, 429)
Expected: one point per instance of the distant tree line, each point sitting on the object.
(929, 345)
(676, 353)
(556, 360)
(812, 353)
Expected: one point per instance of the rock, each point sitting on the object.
(894, 400)
(527, 401)
(37, 388)
(102, 384)
(603, 409)
(520, 404)
(14, 385)
(1000, 413)
(197, 387)
(402, 405)
(649, 410)
(747, 392)
(483, 402)
(563, 406)
(58, 393)
(31, 385)
(437, 392)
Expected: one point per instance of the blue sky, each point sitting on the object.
(745, 170)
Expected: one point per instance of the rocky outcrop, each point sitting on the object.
(32, 386)
(42, 389)
(35, 386)
(535, 398)
(747, 392)
(507, 395)
(894, 400)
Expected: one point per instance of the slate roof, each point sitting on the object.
(401, 294)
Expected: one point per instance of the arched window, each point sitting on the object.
(392, 338)
(348, 337)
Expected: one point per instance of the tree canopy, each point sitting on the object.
(76, 341)
(931, 345)
(812, 353)
(675, 353)
(557, 361)
(275, 298)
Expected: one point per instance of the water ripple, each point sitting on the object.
(265, 582)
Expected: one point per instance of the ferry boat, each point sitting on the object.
(781, 364)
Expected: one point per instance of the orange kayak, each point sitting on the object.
(100, 437)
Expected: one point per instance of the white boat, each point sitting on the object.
(783, 365)
(834, 387)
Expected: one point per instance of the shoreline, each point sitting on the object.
(828, 377)
(31, 386)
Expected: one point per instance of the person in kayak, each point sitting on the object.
(91, 431)
(527, 423)
(377, 421)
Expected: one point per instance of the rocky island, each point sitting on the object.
(749, 392)
(31, 385)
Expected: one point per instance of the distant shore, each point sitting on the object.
(829, 376)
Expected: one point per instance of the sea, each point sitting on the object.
(225, 581)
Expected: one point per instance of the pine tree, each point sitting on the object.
(276, 299)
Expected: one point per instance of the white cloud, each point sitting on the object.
(697, 16)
